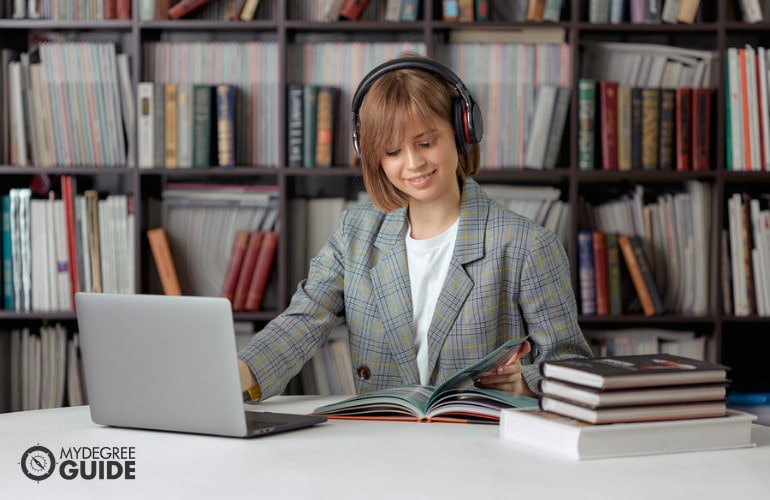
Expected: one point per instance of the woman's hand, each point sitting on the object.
(508, 376)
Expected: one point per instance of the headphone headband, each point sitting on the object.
(467, 117)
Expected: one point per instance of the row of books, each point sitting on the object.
(747, 100)
(249, 268)
(676, 231)
(746, 264)
(541, 204)
(185, 125)
(601, 276)
(637, 128)
(54, 247)
(70, 11)
(330, 370)
(630, 405)
(312, 123)
(524, 92)
(70, 105)
(201, 222)
(643, 11)
(251, 68)
(45, 369)
(647, 340)
(222, 10)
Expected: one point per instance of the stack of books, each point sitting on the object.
(630, 405)
(637, 388)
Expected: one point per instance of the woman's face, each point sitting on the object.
(424, 165)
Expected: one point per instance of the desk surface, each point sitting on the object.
(364, 460)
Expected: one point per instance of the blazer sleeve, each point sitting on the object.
(280, 350)
(548, 306)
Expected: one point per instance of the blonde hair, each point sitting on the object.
(394, 100)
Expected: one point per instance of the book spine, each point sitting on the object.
(181, 9)
(601, 275)
(586, 273)
(586, 118)
(450, 10)
(325, 125)
(624, 127)
(636, 271)
(68, 198)
(249, 10)
(535, 10)
(109, 9)
(262, 269)
(353, 9)
(225, 97)
(145, 106)
(666, 128)
(636, 128)
(310, 121)
(171, 149)
(482, 11)
(701, 126)
(614, 289)
(246, 273)
(683, 127)
(123, 9)
(184, 125)
(7, 256)
(202, 117)
(465, 11)
(233, 269)
(161, 252)
(608, 123)
(159, 125)
(650, 130)
(409, 10)
(558, 124)
(235, 11)
(294, 124)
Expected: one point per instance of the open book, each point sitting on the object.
(455, 400)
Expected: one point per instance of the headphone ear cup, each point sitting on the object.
(459, 124)
(476, 128)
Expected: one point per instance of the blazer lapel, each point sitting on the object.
(469, 247)
(390, 279)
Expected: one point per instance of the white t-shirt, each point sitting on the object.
(428, 262)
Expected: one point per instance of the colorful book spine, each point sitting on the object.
(608, 123)
(202, 129)
(650, 128)
(666, 139)
(683, 127)
(586, 123)
(225, 114)
(586, 273)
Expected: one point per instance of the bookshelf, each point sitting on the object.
(735, 340)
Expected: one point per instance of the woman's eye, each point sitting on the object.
(425, 144)
(393, 153)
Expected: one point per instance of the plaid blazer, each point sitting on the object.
(508, 278)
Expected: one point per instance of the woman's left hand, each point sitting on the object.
(508, 376)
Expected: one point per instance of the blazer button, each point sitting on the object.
(364, 372)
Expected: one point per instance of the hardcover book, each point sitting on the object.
(455, 400)
(595, 398)
(578, 440)
(644, 370)
(634, 413)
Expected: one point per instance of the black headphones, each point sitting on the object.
(466, 115)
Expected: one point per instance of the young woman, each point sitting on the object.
(432, 275)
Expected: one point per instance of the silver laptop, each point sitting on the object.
(168, 363)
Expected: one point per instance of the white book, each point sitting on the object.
(670, 12)
(145, 101)
(19, 153)
(554, 434)
(752, 12)
(128, 106)
(540, 127)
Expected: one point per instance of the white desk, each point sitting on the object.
(364, 461)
